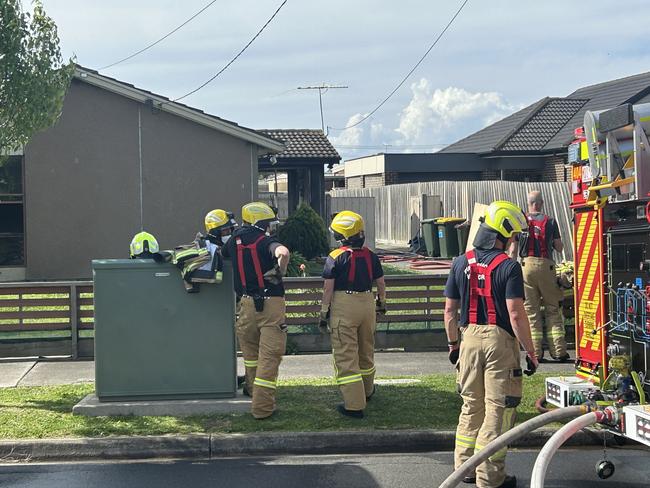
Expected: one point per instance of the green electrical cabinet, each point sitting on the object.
(153, 340)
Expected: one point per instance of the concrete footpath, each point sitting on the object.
(31, 372)
(206, 446)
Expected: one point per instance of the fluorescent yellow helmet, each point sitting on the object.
(143, 242)
(218, 219)
(258, 214)
(346, 224)
(505, 217)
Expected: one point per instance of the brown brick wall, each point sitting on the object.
(373, 181)
(554, 169)
(354, 182)
(490, 174)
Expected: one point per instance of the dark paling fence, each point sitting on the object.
(57, 318)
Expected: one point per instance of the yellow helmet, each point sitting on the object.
(218, 220)
(346, 224)
(258, 214)
(143, 243)
(505, 217)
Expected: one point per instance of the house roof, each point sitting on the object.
(548, 124)
(159, 102)
(303, 144)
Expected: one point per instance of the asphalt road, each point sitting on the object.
(572, 468)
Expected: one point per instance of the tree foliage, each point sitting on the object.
(33, 77)
(305, 232)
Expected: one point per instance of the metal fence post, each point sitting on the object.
(74, 321)
(428, 307)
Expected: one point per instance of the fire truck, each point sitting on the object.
(610, 199)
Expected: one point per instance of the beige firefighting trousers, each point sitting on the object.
(490, 383)
(542, 290)
(352, 324)
(263, 340)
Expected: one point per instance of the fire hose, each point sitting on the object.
(469, 466)
(560, 437)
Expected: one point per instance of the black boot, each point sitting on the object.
(374, 388)
(355, 414)
(509, 482)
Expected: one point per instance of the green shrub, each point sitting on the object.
(305, 232)
(295, 260)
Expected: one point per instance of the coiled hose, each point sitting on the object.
(556, 441)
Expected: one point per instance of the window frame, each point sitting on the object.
(21, 201)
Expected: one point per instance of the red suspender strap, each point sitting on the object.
(240, 263)
(537, 232)
(473, 287)
(252, 249)
(489, 300)
(354, 254)
(542, 237)
(480, 284)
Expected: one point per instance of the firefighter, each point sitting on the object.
(219, 226)
(540, 281)
(143, 246)
(487, 287)
(259, 262)
(349, 309)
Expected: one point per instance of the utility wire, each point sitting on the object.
(236, 56)
(365, 117)
(161, 39)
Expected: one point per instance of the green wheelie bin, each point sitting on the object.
(430, 237)
(448, 236)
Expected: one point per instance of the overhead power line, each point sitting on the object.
(203, 85)
(365, 117)
(161, 39)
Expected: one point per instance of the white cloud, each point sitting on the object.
(429, 119)
(444, 115)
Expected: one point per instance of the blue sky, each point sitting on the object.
(497, 57)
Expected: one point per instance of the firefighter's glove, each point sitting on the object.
(531, 365)
(274, 276)
(454, 353)
(324, 323)
(380, 306)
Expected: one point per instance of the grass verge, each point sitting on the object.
(304, 405)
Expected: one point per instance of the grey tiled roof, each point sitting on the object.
(632, 89)
(548, 124)
(538, 129)
(303, 144)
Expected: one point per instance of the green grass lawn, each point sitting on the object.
(303, 405)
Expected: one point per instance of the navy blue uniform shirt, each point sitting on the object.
(507, 282)
(337, 267)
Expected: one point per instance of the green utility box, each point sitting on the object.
(448, 236)
(153, 340)
(430, 237)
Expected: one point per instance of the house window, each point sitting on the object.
(12, 223)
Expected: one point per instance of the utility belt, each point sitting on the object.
(258, 301)
(352, 292)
